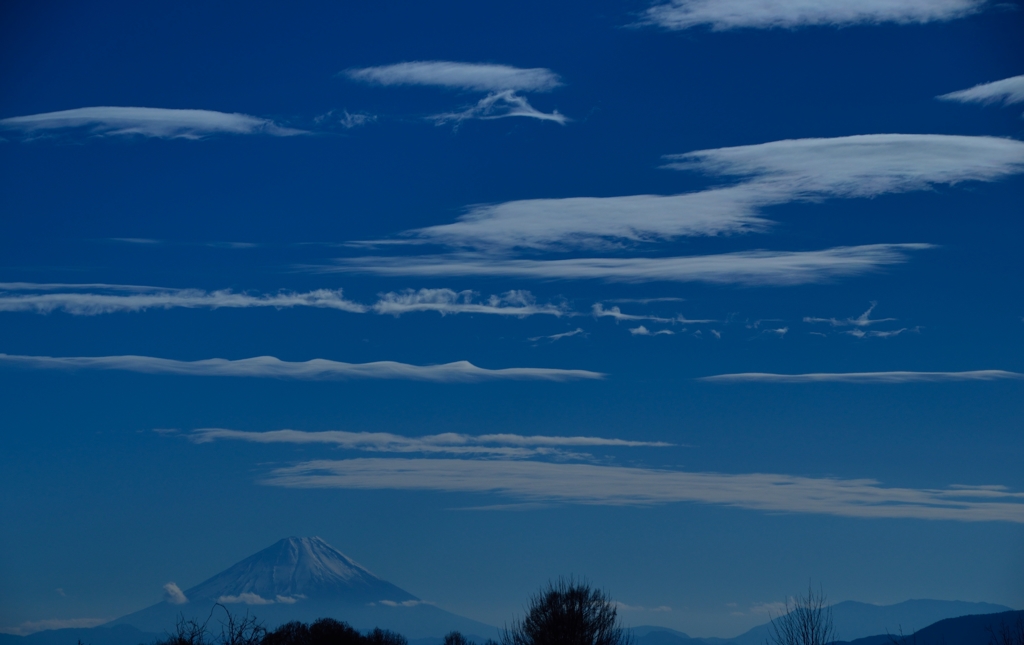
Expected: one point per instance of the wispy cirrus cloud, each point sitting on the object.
(643, 331)
(566, 334)
(316, 369)
(503, 83)
(507, 446)
(1007, 91)
(769, 174)
(143, 298)
(722, 15)
(746, 267)
(867, 377)
(863, 320)
(161, 123)
(499, 105)
(598, 311)
(447, 301)
(535, 481)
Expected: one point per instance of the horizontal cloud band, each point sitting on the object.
(88, 304)
(504, 445)
(867, 377)
(777, 172)
(151, 122)
(733, 14)
(316, 369)
(747, 267)
(480, 77)
(618, 486)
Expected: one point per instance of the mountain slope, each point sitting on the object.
(965, 630)
(304, 579)
(854, 620)
(299, 567)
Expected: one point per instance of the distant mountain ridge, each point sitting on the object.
(862, 623)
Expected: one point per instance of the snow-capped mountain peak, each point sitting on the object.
(298, 568)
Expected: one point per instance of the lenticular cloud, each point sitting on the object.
(150, 122)
(763, 175)
(1007, 91)
(721, 15)
(480, 77)
(537, 481)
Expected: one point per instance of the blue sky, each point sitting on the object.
(699, 300)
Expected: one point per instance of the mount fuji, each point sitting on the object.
(304, 579)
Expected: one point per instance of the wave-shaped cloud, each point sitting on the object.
(866, 377)
(771, 173)
(482, 77)
(722, 15)
(316, 369)
(161, 123)
(745, 267)
(536, 481)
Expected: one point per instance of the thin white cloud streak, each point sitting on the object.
(598, 311)
(618, 486)
(482, 77)
(645, 301)
(863, 320)
(33, 626)
(565, 334)
(753, 268)
(246, 598)
(722, 15)
(771, 173)
(643, 331)
(1007, 91)
(91, 304)
(499, 105)
(866, 377)
(447, 301)
(860, 333)
(150, 122)
(174, 595)
(316, 369)
(507, 446)
(57, 286)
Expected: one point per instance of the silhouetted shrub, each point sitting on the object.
(456, 638)
(569, 613)
(384, 637)
(293, 633)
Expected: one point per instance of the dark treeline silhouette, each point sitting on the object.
(247, 630)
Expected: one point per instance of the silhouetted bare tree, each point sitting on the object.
(568, 613)
(807, 621)
(1012, 634)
